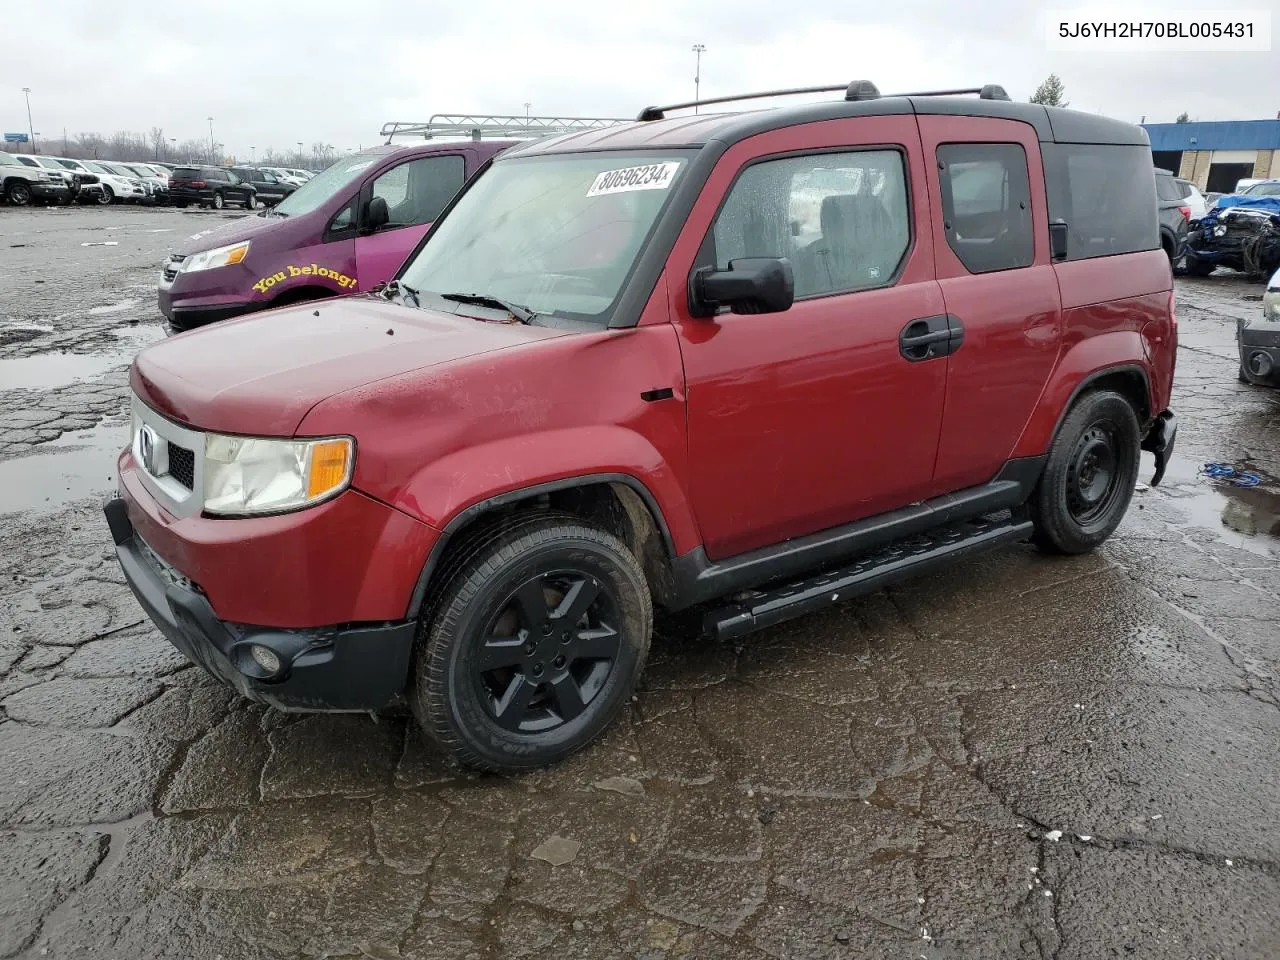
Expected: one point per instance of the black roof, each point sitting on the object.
(1052, 124)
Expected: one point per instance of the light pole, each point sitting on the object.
(253, 154)
(174, 141)
(299, 153)
(213, 156)
(698, 50)
(26, 91)
(527, 105)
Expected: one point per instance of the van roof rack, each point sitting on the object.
(476, 126)
(857, 90)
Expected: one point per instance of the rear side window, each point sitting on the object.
(1106, 195)
(1185, 188)
(986, 205)
(417, 191)
(840, 218)
(1167, 188)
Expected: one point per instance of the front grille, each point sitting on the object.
(182, 465)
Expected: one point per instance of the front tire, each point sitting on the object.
(250, 202)
(107, 197)
(18, 194)
(1197, 267)
(1089, 478)
(535, 644)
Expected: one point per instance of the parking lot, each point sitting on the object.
(1021, 756)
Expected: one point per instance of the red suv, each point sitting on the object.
(760, 362)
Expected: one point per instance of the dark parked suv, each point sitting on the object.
(270, 188)
(1175, 214)
(210, 187)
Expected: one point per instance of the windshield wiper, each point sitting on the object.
(394, 287)
(521, 313)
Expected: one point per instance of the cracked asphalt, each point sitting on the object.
(1019, 757)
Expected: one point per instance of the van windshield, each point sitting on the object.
(558, 234)
(316, 191)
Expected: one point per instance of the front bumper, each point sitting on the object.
(357, 668)
(50, 192)
(1160, 438)
(1259, 342)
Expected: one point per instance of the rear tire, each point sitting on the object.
(250, 202)
(1089, 478)
(218, 202)
(534, 645)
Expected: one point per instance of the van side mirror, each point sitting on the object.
(376, 215)
(1058, 240)
(750, 285)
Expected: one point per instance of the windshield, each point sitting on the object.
(119, 169)
(97, 168)
(1264, 190)
(8, 158)
(316, 191)
(557, 234)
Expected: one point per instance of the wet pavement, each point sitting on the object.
(1019, 757)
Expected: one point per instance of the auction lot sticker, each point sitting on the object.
(652, 176)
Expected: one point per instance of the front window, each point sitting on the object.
(8, 160)
(558, 234)
(316, 192)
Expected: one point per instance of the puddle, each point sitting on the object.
(14, 331)
(42, 371)
(114, 307)
(1245, 517)
(73, 467)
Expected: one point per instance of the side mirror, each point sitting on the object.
(750, 285)
(1058, 240)
(376, 215)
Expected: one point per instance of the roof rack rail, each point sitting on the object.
(855, 91)
(477, 126)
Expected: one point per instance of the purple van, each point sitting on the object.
(345, 230)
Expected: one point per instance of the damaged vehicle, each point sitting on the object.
(1240, 231)
(1259, 340)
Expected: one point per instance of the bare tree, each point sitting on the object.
(157, 140)
(193, 150)
(90, 145)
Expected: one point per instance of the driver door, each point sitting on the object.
(415, 192)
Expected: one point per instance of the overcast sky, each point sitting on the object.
(335, 70)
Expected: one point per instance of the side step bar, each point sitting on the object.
(898, 560)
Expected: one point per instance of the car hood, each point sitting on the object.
(231, 231)
(262, 373)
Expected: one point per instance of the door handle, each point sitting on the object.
(928, 337)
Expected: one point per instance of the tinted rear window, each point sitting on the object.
(187, 173)
(1167, 188)
(1106, 194)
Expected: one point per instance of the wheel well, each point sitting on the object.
(613, 506)
(301, 295)
(1130, 383)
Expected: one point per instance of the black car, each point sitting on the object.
(210, 187)
(1175, 214)
(271, 189)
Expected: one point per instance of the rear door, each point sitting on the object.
(415, 191)
(814, 417)
(991, 246)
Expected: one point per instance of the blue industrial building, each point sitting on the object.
(1214, 155)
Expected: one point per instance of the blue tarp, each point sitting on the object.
(1269, 205)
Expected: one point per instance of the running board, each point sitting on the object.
(898, 560)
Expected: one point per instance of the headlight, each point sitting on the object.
(245, 475)
(218, 257)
